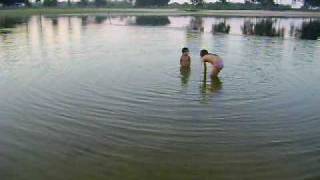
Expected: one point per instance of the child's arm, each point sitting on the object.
(205, 66)
(204, 60)
(204, 73)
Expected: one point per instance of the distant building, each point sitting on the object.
(296, 4)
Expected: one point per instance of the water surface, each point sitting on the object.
(100, 97)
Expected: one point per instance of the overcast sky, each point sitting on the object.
(182, 1)
(171, 1)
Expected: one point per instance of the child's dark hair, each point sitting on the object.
(185, 49)
(203, 52)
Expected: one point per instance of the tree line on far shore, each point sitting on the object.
(195, 4)
(52, 3)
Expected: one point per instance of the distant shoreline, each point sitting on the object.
(159, 12)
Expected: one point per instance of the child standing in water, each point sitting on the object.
(214, 60)
(185, 59)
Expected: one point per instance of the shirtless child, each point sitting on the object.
(185, 59)
(214, 60)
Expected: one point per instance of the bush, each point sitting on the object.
(233, 6)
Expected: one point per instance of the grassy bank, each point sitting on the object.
(160, 12)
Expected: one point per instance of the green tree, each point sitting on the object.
(266, 3)
(27, 3)
(12, 2)
(197, 2)
(142, 3)
(50, 3)
(223, 1)
(84, 2)
(100, 3)
(312, 3)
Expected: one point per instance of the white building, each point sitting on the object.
(296, 4)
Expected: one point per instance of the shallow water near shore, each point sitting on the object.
(103, 97)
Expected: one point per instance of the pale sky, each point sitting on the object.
(182, 1)
(179, 1)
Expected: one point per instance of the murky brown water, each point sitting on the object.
(98, 97)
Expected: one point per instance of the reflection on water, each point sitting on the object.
(309, 30)
(9, 22)
(107, 101)
(215, 85)
(12, 21)
(84, 20)
(262, 27)
(5, 31)
(196, 24)
(208, 89)
(185, 75)
(100, 19)
(221, 27)
(274, 27)
(152, 20)
(54, 21)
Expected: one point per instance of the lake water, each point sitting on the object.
(100, 97)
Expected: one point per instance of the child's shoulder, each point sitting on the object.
(213, 54)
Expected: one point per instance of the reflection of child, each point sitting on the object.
(185, 59)
(215, 60)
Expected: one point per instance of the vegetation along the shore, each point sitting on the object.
(193, 5)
